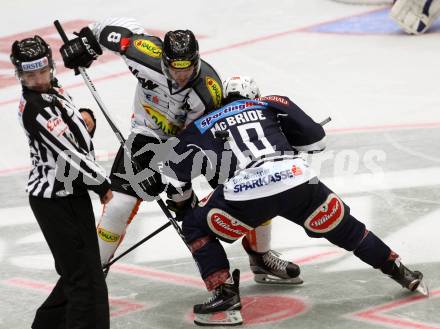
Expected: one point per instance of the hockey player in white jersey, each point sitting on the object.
(415, 16)
(174, 88)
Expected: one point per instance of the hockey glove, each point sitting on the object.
(153, 185)
(81, 51)
(180, 208)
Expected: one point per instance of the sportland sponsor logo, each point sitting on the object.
(148, 47)
(207, 121)
(327, 216)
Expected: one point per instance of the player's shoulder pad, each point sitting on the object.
(115, 38)
(209, 86)
(145, 49)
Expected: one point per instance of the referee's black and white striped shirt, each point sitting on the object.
(61, 149)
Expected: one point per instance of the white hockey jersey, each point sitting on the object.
(160, 108)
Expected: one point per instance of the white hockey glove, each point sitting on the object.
(415, 16)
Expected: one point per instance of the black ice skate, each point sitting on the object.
(411, 280)
(223, 308)
(270, 269)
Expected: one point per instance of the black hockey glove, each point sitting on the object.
(153, 185)
(180, 208)
(81, 51)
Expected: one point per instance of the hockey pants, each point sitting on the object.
(312, 205)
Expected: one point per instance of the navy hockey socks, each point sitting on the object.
(372, 250)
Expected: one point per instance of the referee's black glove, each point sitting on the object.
(153, 185)
(81, 51)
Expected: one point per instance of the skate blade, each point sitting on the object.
(269, 279)
(225, 318)
(423, 288)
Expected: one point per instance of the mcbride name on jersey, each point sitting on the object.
(252, 144)
(161, 108)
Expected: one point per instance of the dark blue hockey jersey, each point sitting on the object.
(249, 145)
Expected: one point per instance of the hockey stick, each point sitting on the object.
(120, 137)
(106, 267)
(325, 121)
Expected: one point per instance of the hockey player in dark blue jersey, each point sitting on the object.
(254, 144)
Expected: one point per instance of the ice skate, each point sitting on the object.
(268, 268)
(223, 308)
(411, 280)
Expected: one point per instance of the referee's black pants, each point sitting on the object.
(79, 300)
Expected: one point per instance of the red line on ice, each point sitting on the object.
(150, 273)
(376, 314)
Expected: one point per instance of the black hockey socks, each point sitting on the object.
(372, 250)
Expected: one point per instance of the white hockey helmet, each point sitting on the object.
(237, 87)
